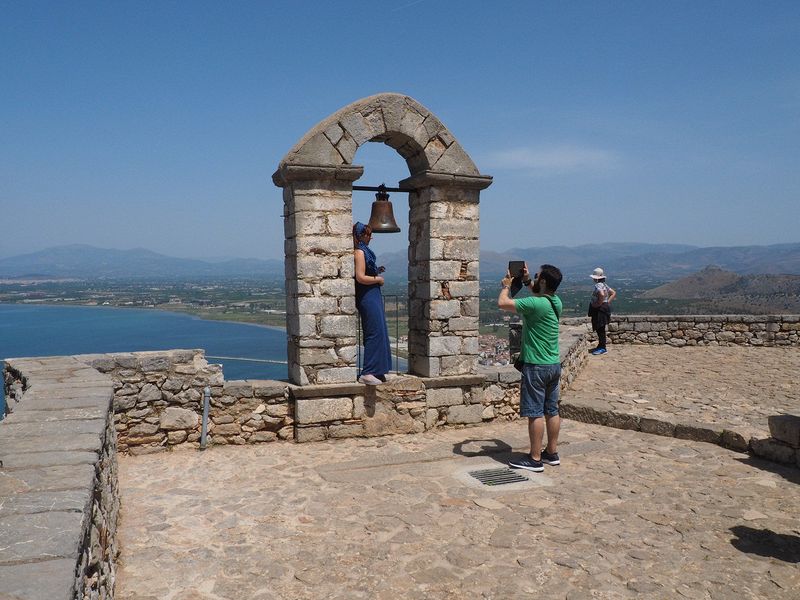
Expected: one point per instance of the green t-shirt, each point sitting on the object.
(539, 329)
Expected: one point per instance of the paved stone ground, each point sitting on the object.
(627, 515)
(734, 388)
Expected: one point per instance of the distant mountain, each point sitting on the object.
(653, 262)
(88, 262)
(708, 283)
(726, 291)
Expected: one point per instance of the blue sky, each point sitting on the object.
(159, 124)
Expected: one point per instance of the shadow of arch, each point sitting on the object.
(765, 542)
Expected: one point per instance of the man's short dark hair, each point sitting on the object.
(551, 275)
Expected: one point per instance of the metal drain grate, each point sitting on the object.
(498, 476)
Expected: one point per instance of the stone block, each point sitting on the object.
(424, 366)
(508, 375)
(317, 151)
(449, 345)
(621, 421)
(176, 437)
(149, 393)
(238, 389)
(431, 418)
(458, 365)
(178, 418)
(385, 421)
(734, 440)
(262, 436)
(123, 403)
(773, 450)
(309, 434)
(785, 428)
(443, 309)
(444, 397)
(309, 305)
(337, 287)
(338, 326)
(698, 432)
(226, 429)
(153, 364)
(472, 413)
(337, 375)
(461, 249)
(268, 389)
(656, 427)
(320, 410)
(313, 268)
(317, 356)
(346, 430)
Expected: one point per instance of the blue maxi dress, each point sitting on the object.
(369, 302)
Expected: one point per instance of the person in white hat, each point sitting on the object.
(600, 309)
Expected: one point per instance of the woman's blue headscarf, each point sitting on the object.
(369, 255)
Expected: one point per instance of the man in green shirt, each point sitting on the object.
(541, 371)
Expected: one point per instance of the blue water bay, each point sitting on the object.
(37, 330)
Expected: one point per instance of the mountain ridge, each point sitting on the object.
(654, 262)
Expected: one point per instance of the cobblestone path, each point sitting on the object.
(627, 515)
(732, 387)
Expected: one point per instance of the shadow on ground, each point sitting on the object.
(765, 542)
(788, 472)
(495, 449)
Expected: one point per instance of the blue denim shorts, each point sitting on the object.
(538, 394)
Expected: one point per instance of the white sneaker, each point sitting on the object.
(369, 380)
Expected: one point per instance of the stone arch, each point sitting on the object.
(393, 119)
(317, 176)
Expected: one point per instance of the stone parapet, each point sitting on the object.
(59, 496)
(706, 330)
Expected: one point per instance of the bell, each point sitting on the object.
(382, 217)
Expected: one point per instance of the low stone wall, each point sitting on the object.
(59, 496)
(158, 402)
(405, 404)
(706, 330)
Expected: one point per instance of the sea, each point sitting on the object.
(248, 351)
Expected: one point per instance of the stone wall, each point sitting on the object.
(59, 496)
(406, 404)
(158, 402)
(706, 330)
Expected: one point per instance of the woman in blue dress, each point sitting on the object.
(369, 302)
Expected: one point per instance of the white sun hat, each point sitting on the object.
(598, 274)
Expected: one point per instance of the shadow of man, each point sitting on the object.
(765, 542)
(495, 449)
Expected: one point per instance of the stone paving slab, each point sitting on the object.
(711, 389)
(627, 515)
(24, 537)
(39, 479)
(48, 429)
(81, 441)
(62, 414)
(38, 502)
(37, 581)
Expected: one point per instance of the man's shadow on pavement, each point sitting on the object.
(788, 472)
(495, 449)
(765, 542)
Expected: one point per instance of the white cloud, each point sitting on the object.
(556, 159)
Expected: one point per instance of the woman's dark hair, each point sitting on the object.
(367, 231)
(551, 275)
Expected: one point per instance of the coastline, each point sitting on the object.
(187, 313)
